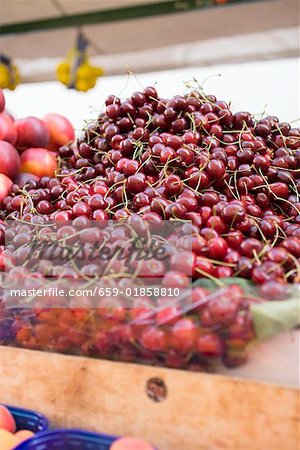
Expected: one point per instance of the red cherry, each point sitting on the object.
(81, 209)
(223, 309)
(184, 335)
(63, 216)
(250, 247)
(198, 244)
(267, 271)
(176, 211)
(176, 279)
(274, 290)
(292, 245)
(217, 224)
(234, 239)
(217, 248)
(232, 257)
(223, 272)
(185, 157)
(166, 155)
(216, 169)
(280, 190)
(210, 344)
(278, 255)
(210, 198)
(244, 267)
(194, 217)
(136, 183)
(209, 233)
(203, 267)
(198, 179)
(167, 316)
(184, 262)
(113, 110)
(173, 184)
(154, 339)
(233, 213)
(100, 215)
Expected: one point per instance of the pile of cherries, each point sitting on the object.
(234, 181)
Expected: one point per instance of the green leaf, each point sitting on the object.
(274, 317)
(245, 284)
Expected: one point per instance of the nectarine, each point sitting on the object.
(8, 130)
(23, 435)
(2, 101)
(7, 440)
(5, 185)
(128, 443)
(38, 161)
(60, 129)
(32, 132)
(7, 422)
(9, 159)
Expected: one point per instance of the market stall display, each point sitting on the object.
(232, 183)
(128, 387)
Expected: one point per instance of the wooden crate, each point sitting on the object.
(201, 411)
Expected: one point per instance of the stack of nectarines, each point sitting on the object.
(9, 437)
(29, 145)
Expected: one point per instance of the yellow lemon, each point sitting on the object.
(82, 85)
(4, 77)
(63, 78)
(98, 71)
(63, 72)
(63, 68)
(93, 81)
(84, 72)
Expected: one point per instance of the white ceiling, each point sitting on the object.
(143, 33)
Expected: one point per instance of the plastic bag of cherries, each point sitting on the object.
(171, 229)
(214, 324)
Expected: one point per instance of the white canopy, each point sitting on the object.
(246, 31)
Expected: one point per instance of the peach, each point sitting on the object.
(2, 101)
(5, 185)
(128, 443)
(9, 159)
(32, 132)
(9, 114)
(7, 440)
(60, 129)
(23, 435)
(8, 130)
(7, 422)
(38, 161)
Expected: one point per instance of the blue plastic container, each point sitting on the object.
(68, 440)
(28, 420)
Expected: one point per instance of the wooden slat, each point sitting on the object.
(201, 411)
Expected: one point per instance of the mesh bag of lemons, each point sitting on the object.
(75, 71)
